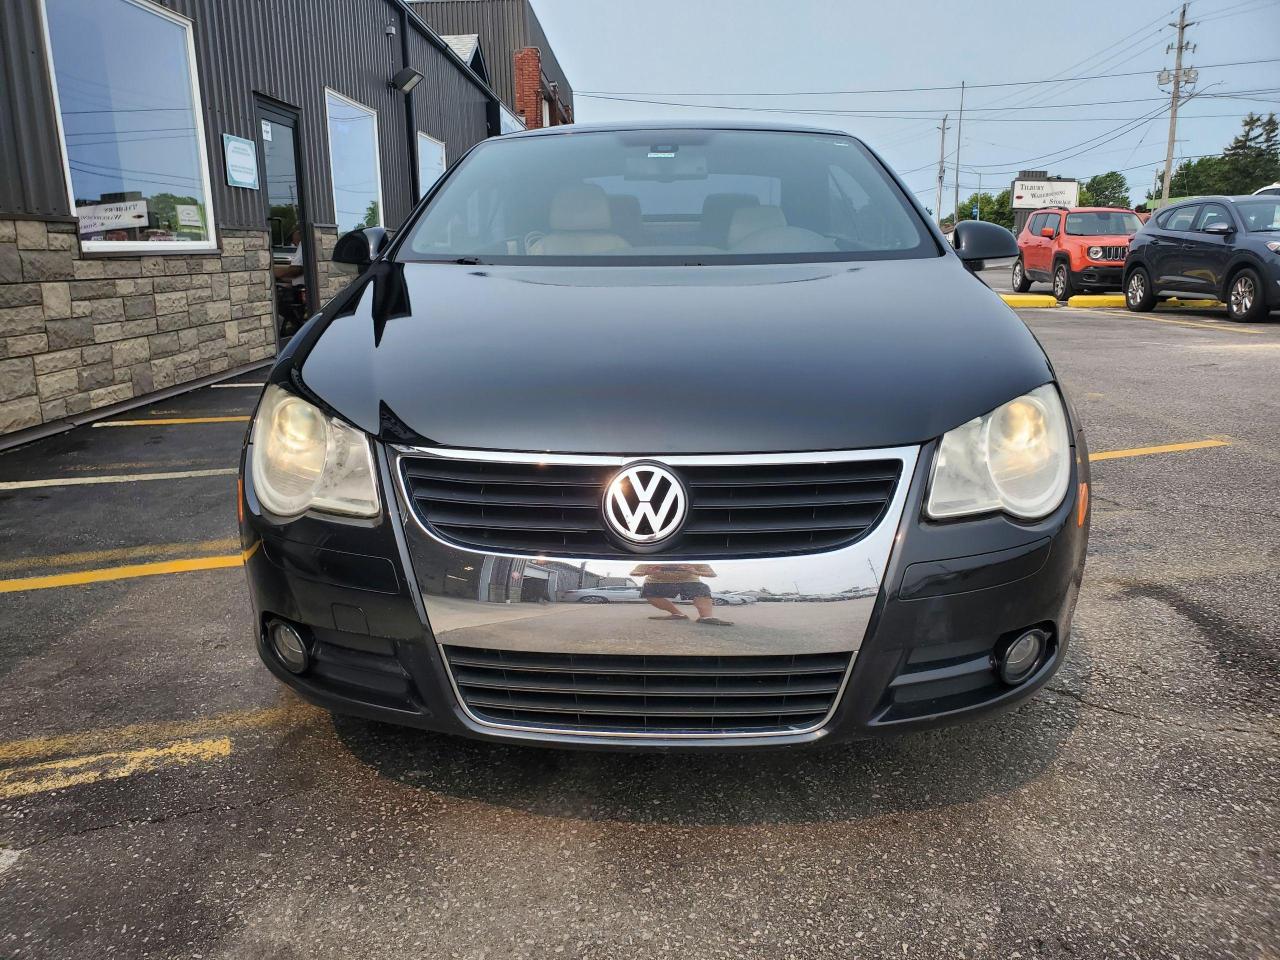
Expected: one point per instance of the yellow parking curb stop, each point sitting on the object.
(1097, 300)
(1195, 304)
(1028, 299)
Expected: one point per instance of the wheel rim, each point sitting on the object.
(1242, 294)
(1136, 288)
(1060, 283)
(1017, 274)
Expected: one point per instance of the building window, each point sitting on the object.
(546, 112)
(508, 122)
(353, 163)
(431, 162)
(128, 104)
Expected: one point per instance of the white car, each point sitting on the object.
(620, 594)
(1271, 191)
(632, 595)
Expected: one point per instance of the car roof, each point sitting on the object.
(572, 128)
(1082, 209)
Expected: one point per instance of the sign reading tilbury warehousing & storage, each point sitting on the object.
(1033, 194)
(98, 218)
(242, 161)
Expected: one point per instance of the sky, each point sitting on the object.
(776, 57)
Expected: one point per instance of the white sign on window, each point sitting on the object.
(188, 215)
(266, 130)
(241, 157)
(101, 217)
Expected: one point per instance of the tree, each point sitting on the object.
(993, 207)
(1250, 161)
(1105, 190)
(371, 215)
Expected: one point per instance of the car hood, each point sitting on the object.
(650, 360)
(1104, 240)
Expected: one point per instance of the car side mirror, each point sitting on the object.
(360, 247)
(1220, 229)
(979, 240)
(1046, 232)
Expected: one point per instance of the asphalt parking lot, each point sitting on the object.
(162, 796)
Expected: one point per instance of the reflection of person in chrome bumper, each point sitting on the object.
(667, 582)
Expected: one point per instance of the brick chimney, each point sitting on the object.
(528, 93)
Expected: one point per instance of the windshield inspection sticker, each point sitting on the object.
(662, 152)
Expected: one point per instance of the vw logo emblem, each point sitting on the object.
(644, 504)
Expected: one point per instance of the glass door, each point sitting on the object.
(292, 266)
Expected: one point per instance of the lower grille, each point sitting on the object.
(636, 695)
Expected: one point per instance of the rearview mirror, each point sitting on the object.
(978, 240)
(1046, 232)
(1220, 228)
(360, 247)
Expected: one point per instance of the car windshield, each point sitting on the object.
(669, 196)
(1261, 215)
(1103, 223)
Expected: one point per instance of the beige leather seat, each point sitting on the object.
(717, 212)
(765, 230)
(747, 221)
(581, 225)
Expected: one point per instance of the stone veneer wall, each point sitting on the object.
(78, 333)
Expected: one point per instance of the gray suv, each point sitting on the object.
(1226, 248)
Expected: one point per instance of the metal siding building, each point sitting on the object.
(85, 330)
(504, 26)
(282, 49)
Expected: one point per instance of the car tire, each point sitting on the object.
(719, 602)
(1021, 282)
(593, 599)
(1138, 295)
(1245, 303)
(1062, 289)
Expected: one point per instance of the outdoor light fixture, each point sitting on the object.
(405, 79)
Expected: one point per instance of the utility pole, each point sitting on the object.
(942, 170)
(959, 129)
(1178, 79)
(978, 205)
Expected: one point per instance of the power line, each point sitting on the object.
(616, 94)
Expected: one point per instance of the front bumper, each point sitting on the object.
(1091, 275)
(921, 607)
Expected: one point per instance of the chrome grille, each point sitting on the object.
(1115, 253)
(736, 509)
(639, 695)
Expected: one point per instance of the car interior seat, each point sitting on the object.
(717, 211)
(580, 223)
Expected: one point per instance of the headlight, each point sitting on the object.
(303, 460)
(1095, 253)
(1017, 459)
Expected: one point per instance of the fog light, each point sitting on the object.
(288, 646)
(1021, 658)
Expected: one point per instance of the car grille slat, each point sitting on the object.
(1115, 252)
(600, 693)
(739, 509)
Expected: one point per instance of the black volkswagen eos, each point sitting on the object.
(733, 377)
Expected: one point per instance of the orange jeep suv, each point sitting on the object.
(1076, 249)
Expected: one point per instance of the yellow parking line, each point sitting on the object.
(1162, 448)
(121, 573)
(117, 478)
(1224, 327)
(151, 551)
(114, 765)
(168, 421)
(142, 734)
